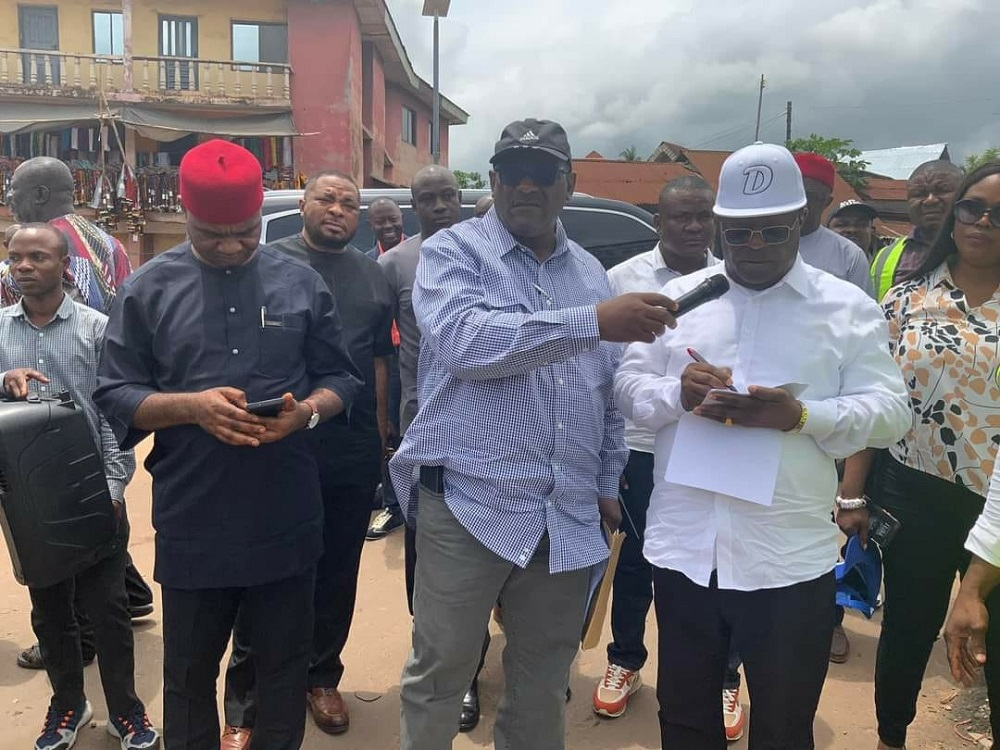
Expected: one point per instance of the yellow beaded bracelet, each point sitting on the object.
(802, 419)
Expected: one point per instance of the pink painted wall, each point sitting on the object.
(324, 47)
(374, 113)
(408, 159)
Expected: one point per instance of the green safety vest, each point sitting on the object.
(884, 267)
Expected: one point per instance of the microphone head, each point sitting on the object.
(718, 284)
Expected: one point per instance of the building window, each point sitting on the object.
(109, 34)
(409, 126)
(260, 42)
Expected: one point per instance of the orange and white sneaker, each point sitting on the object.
(612, 693)
(732, 714)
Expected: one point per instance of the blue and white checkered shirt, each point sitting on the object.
(67, 351)
(515, 393)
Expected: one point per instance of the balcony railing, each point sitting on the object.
(152, 77)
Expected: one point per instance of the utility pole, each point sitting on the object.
(436, 116)
(788, 122)
(760, 103)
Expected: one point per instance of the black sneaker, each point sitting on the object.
(138, 611)
(61, 728)
(385, 523)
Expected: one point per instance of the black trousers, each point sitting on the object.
(99, 593)
(633, 586)
(277, 618)
(139, 594)
(783, 636)
(347, 511)
(919, 570)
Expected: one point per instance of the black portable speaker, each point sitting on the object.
(55, 508)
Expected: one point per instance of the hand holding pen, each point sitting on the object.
(699, 378)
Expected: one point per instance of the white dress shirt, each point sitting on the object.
(810, 328)
(984, 539)
(646, 272)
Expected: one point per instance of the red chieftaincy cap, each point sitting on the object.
(221, 183)
(817, 167)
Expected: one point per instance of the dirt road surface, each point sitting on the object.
(378, 647)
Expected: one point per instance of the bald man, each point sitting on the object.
(386, 221)
(929, 193)
(483, 206)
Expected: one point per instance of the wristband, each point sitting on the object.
(856, 503)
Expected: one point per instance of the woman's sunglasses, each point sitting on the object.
(971, 210)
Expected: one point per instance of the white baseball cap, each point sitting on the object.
(760, 180)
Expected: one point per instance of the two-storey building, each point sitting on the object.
(121, 89)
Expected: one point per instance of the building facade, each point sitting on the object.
(121, 89)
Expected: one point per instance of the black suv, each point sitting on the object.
(610, 230)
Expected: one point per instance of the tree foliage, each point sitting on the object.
(630, 154)
(847, 159)
(469, 180)
(975, 161)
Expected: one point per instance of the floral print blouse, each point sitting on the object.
(949, 354)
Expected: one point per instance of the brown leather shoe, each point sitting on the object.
(328, 710)
(840, 647)
(235, 738)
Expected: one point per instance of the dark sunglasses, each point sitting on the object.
(543, 173)
(970, 211)
(771, 235)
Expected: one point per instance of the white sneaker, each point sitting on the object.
(732, 714)
(612, 693)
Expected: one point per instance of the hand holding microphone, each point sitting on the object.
(642, 316)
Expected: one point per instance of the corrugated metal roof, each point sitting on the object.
(899, 163)
(636, 182)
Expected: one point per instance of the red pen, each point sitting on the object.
(698, 358)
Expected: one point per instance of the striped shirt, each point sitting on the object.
(514, 389)
(67, 350)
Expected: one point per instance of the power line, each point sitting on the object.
(722, 135)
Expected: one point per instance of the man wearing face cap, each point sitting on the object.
(194, 335)
(519, 445)
(759, 571)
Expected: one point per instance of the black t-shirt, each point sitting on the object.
(365, 303)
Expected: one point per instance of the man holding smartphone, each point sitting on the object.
(348, 451)
(194, 335)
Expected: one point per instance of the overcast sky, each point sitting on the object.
(637, 72)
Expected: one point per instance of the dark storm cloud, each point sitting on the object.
(883, 72)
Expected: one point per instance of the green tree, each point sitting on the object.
(469, 180)
(630, 154)
(975, 161)
(841, 151)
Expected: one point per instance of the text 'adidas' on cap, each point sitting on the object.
(531, 134)
(759, 180)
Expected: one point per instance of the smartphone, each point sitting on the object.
(270, 408)
(882, 525)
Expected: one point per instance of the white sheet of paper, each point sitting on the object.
(738, 461)
(794, 389)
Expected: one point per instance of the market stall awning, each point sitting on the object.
(150, 122)
(164, 125)
(30, 117)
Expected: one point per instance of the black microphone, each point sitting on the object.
(711, 288)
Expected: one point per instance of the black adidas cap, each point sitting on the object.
(537, 135)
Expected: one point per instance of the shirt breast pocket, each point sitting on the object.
(281, 346)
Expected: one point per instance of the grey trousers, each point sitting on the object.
(458, 580)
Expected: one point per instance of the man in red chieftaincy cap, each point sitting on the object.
(820, 247)
(196, 338)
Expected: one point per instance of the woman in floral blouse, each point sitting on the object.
(944, 325)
